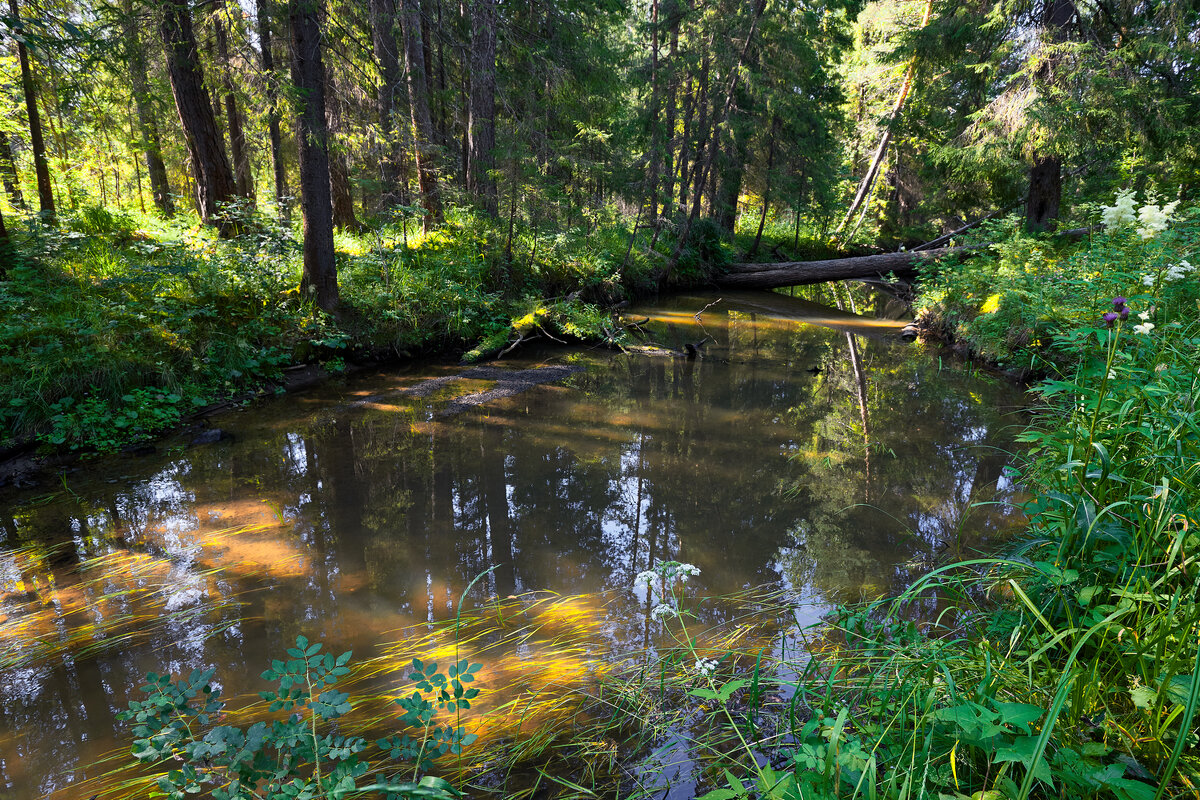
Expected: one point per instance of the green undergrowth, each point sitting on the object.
(1008, 303)
(116, 327)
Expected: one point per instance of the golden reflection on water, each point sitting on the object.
(356, 514)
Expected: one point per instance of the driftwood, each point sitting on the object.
(797, 273)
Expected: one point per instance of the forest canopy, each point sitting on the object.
(898, 120)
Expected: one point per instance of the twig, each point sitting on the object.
(706, 308)
(515, 344)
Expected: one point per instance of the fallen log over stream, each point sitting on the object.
(797, 273)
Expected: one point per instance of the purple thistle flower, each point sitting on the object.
(1110, 318)
(1125, 313)
(1118, 303)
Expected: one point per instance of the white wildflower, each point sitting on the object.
(1148, 280)
(1120, 212)
(647, 578)
(1153, 219)
(1179, 271)
(1145, 328)
(1144, 315)
(685, 571)
(662, 612)
(1112, 376)
(705, 666)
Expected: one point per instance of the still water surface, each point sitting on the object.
(805, 447)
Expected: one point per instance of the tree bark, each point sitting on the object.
(147, 126)
(1045, 173)
(37, 143)
(481, 123)
(1045, 193)
(731, 170)
(4, 243)
(798, 273)
(383, 39)
(243, 177)
(215, 184)
(425, 151)
(8, 171)
(263, 12)
(341, 192)
(316, 205)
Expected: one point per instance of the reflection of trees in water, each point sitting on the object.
(741, 462)
(933, 451)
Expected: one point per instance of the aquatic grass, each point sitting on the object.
(106, 602)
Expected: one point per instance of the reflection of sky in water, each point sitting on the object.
(355, 521)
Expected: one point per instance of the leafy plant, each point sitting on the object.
(301, 755)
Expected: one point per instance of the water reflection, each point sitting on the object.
(826, 456)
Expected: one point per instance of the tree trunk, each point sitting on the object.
(263, 12)
(1045, 193)
(481, 123)
(425, 151)
(243, 177)
(316, 205)
(797, 273)
(40, 165)
(704, 165)
(214, 179)
(340, 190)
(4, 244)
(1045, 173)
(732, 168)
(383, 38)
(868, 181)
(8, 171)
(147, 126)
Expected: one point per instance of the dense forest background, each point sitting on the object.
(896, 120)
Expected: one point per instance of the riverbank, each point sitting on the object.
(1068, 667)
(118, 328)
(114, 328)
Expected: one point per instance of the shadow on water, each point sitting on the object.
(805, 447)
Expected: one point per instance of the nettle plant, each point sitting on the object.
(300, 757)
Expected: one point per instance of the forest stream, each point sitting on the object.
(805, 447)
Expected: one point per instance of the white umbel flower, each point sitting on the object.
(705, 666)
(662, 612)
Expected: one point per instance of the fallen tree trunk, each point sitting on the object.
(798, 273)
